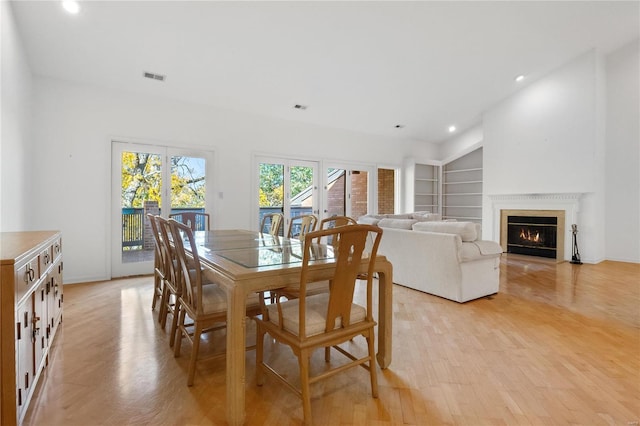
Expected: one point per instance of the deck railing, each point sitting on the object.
(133, 222)
(133, 226)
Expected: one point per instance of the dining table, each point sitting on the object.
(244, 262)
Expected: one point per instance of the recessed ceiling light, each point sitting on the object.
(519, 78)
(452, 129)
(300, 107)
(71, 6)
(399, 126)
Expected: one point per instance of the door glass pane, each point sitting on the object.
(301, 181)
(188, 185)
(141, 180)
(271, 190)
(359, 193)
(336, 192)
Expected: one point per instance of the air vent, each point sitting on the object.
(153, 76)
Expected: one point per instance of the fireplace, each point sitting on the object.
(533, 232)
(532, 235)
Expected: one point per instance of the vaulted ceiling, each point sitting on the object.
(361, 66)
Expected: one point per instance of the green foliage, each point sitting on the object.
(272, 183)
(142, 180)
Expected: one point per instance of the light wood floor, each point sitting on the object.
(560, 344)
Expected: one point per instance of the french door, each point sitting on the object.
(152, 179)
(287, 186)
(348, 190)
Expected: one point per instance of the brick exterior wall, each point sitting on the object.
(359, 181)
(359, 194)
(386, 188)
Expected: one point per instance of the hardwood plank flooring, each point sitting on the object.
(559, 344)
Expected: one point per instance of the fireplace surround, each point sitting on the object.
(533, 232)
(568, 203)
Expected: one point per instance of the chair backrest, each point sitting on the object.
(275, 223)
(300, 226)
(197, 221)
(349, 254)
(167, 250)
(159, 262)
(334, 222)
(190, 271)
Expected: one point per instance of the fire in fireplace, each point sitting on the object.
(532, 235)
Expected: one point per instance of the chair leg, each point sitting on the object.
(174, 323)
(164, 300)
(177, 344)
(156, 286)
(372, 364)
(303, 360)
(327, 353)
(194, 352)
(260, 332)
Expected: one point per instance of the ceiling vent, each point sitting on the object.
(153, 76)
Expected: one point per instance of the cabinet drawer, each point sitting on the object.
(57, 248)
(26, 277)
(46, 259)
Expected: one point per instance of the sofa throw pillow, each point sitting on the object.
(466, 230)
(396, 223)
(398, 216)
(368, 220)
(428, 217)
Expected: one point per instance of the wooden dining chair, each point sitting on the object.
(205, 305)
(172, 288)
(324, 320)
(334, 222)
(299, 226)
(197, 221)
(158, 262)
(274, 222)
(317, 287)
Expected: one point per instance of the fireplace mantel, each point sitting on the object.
(569, 202)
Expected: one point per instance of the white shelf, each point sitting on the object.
(466, 170)
(459, 183)
(463, 170)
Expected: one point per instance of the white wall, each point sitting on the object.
(15, 141)
(465, 142)
(548, 138)
(622, 178)
(73, 127)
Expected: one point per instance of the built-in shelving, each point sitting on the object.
(462, 188)
(426, 187)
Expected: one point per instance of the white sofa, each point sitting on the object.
(442, 258)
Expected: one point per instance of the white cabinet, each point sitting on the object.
(31, 311)
(462, 188)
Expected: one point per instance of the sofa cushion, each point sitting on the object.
(369, 219)
(466, 230)
(427, 217)
(396, 223)
(398, 216)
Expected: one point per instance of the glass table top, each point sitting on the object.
(253, 250)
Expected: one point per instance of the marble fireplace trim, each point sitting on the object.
(569, 202)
